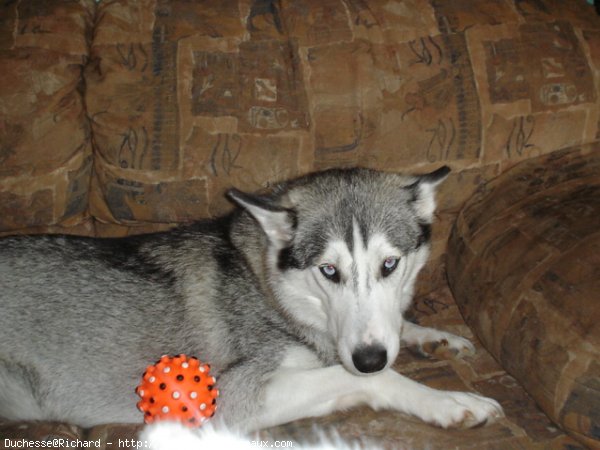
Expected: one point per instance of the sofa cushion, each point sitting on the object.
(169, 96)
(45, 150)
(524, 266)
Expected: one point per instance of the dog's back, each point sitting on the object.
(80, 318)
(69, 311)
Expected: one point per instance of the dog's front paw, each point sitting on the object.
(461, 410)
(447, 346)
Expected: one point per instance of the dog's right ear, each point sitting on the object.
(277, 222)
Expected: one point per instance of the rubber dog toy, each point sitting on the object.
(177, 388)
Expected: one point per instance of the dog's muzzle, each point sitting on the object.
(370, 358)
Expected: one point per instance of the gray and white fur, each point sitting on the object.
(296, 299)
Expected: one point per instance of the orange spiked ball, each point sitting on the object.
(178, 388)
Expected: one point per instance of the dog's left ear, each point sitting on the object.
(277, 222)
(424, 192)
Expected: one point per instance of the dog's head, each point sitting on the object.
(344, 250)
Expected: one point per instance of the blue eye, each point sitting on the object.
(389, 265)
(330, 272)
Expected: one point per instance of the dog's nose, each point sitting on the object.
(370, 358)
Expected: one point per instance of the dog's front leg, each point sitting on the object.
(294, 393)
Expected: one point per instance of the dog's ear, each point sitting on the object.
(424, 192)
(277, 222)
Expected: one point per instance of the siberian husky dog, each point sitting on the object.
(296, 299)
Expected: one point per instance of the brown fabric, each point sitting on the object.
(524, 266)
(179, 100)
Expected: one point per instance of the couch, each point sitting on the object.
(123, 117)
